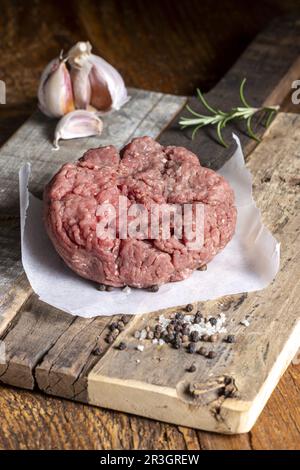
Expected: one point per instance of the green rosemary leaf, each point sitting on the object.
(193, 112)
(242, 96)
(270, 117)
(220, 118)
(196, 130)
(219, 132)
(205, 103)
(250, 130)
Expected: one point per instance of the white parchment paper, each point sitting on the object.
(248, 263)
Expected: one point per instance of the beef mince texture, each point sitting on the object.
(145, 173)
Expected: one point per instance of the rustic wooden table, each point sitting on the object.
(135, 36)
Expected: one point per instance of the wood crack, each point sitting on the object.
(45, 354)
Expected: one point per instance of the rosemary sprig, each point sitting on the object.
(220, 118)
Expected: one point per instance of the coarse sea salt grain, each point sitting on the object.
(204, 327)
(163, 321)
(140, 347)
(127, 290)
(245, 322)
(143, 335)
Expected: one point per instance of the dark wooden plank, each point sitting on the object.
(37, 421)
(173, 48)
(270, 64)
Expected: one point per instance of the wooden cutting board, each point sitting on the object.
(55, 352)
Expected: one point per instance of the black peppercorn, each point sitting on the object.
(125, 319)
(211, 354)
(189, 308)
(205, 338)
(113, 326)
(202, 268)
(101, 287)
(110, 339)
(177, 343)
(192, 368)
(115, 333)
(191, 348)
(122, 346)
(98, 351)
(179, 316)
(109, 288)
(202, 351)
(170, 338)
(154, 288)
(121, 326)
(194, 336)
(214, 338)
(213, 321)
(230, 339)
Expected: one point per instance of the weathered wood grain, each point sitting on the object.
(37, 421)
(64, 370)
(12, 301)
(158, 386)
(118, 373)
(191, 436)
(145, 112)
(27, 342)
(32, 143)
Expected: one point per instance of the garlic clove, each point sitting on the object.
(108, 90)
(100, 95)
(78, 123)
(103, 72)
(55, 89)
(81, 85)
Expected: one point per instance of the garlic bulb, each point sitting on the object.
(107, 87)
(55, 93)
(92, 83)
(79, 123)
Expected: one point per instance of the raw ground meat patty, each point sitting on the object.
(146, 173)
